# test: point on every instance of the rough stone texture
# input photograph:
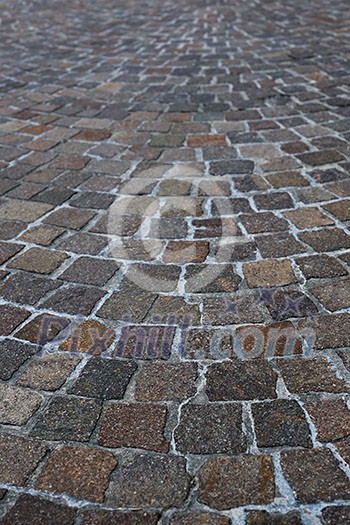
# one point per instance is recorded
(164, 481)
(311, 375)
(110, 517)
(48, 372)
(166, 382)
(12, 355)
(134, 426)
(280, 423)
(333, 296)
(229, 482)
(90, 337)
(87, 270)
(269, 273)
(103, 379)
(210, 429)
(19, 457)
(331, 419)
(80, 472)
(10, 318)
(241, 381)
(314, 475)
(17, 405)
(195, 518)
(38, 260)
(319, 266)
(332, 331)
(67, 418)
(31, 509)
(74, 300)
(174, 248)
(336, 515)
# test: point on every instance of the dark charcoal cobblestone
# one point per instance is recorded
(174, 262)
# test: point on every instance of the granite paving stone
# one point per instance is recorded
(134, 426)
(12, 356)
(280, 423)
(17, 405)
(79, 472)
(314, 475)
(48, 372)
(210, 429)
(103, 379)
(163, 477)
(67, 418)
(228, 482)
(18, 458)
(44, 512)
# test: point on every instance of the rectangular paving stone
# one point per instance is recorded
(280, 423)
(83, 243)
(319, 266)
(269, 273)
(19, 457)
(17, 405)
(21, 210)
(166, 382)
(10, 318)
(163, 478)
(8, 250)
(340, 209)
(26, 289)
(28, 509)
(42, 329)
(210, 429)
(43, 235)
(306, 218)
(331, 419)
(38, 260)
(88, 270)
(82, 473)
(131, 303)
(327, 331)
(48, 372)
(234, 309)
(263, 222)
(103, 379)
(13, 354)
(326, 240)
(229, 482)
(318, 158)
(71, 218)
(279, 245)
(134, 425)
(145, 342)
(334, 296)
(67, 418)
(10, 229)
(74, 300)
(241, 380)
(314, 475)
(311, 375)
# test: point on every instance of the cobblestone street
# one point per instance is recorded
(174, 262)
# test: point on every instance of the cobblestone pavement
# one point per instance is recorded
(174, 250)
